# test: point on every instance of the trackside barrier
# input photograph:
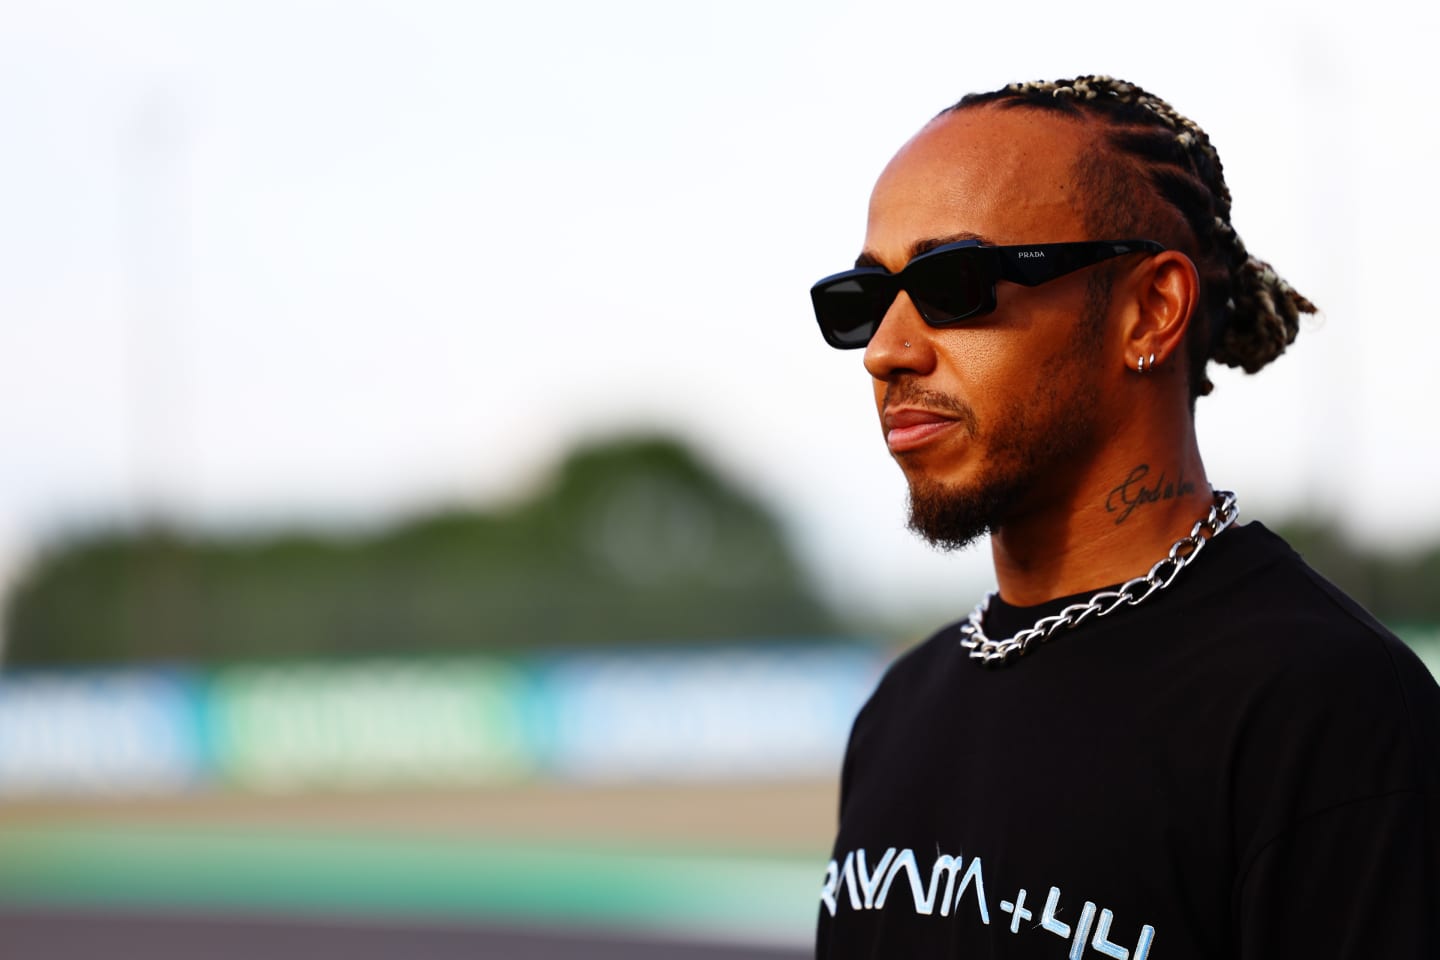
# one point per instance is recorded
(738, 712)
(733, 713)
(100, 732)
(369, 724)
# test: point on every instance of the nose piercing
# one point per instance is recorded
(907, 343)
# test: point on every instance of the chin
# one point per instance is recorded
(951, 516)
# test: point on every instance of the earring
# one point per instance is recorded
(1140, 364)
(907, 343)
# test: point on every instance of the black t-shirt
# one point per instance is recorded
(1246, 765)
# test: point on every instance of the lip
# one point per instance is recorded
(907, 428)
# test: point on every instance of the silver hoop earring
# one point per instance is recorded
(1152, 361)
(1140, 365)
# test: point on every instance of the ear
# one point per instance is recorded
(1166, 290)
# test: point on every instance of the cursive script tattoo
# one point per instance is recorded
(1131, 492)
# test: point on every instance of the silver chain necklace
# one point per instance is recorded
(993, 652)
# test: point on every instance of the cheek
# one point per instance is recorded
(1035, 334)
(986, 366)
(978, 354)
(1017, 382)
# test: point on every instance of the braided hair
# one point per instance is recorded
(1162, 178)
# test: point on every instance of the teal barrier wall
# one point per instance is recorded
(715, 713)
(101, 732)
(742, 712)
(370, 724)
(701, 715)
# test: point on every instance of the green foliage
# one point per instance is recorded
(636, 541)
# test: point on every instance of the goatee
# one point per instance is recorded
(952, 518)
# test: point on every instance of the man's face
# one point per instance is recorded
(987, 418)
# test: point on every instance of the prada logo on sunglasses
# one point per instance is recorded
(951, 284)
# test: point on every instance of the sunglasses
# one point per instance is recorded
(950, 283)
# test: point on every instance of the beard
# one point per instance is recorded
(952, 517)
(1028, 443)
(1026, 450)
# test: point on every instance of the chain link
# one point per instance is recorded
(1183, 552)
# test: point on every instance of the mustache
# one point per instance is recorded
(906, 393)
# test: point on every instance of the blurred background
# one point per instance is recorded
(430, 522)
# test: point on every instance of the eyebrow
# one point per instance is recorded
(868, 259)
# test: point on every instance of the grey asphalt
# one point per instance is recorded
(39, 933)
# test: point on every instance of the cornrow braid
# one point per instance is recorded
(1248, 315)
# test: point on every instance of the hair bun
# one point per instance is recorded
(1262, 317)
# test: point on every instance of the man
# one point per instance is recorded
(1164, 736)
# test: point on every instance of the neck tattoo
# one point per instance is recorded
(1223, 512)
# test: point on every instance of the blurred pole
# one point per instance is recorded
(1329, 175)
(154, 227)
(154, 233)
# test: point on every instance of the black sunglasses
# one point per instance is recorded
(950, 283)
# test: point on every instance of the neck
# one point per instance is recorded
(1113, 524)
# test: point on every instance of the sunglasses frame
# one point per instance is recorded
(1029, 264)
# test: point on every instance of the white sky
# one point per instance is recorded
(342, 261)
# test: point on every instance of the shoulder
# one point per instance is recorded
(1287, 620)
(1261, 594)
(907, 677)
(1335, 770)
(1326, 705)
(914, 697)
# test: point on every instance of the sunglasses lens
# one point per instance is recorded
(949, 286)
(946, 286)
(850, 308)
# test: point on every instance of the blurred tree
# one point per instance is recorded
(635, 541)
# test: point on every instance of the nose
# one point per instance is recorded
(902, 342)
